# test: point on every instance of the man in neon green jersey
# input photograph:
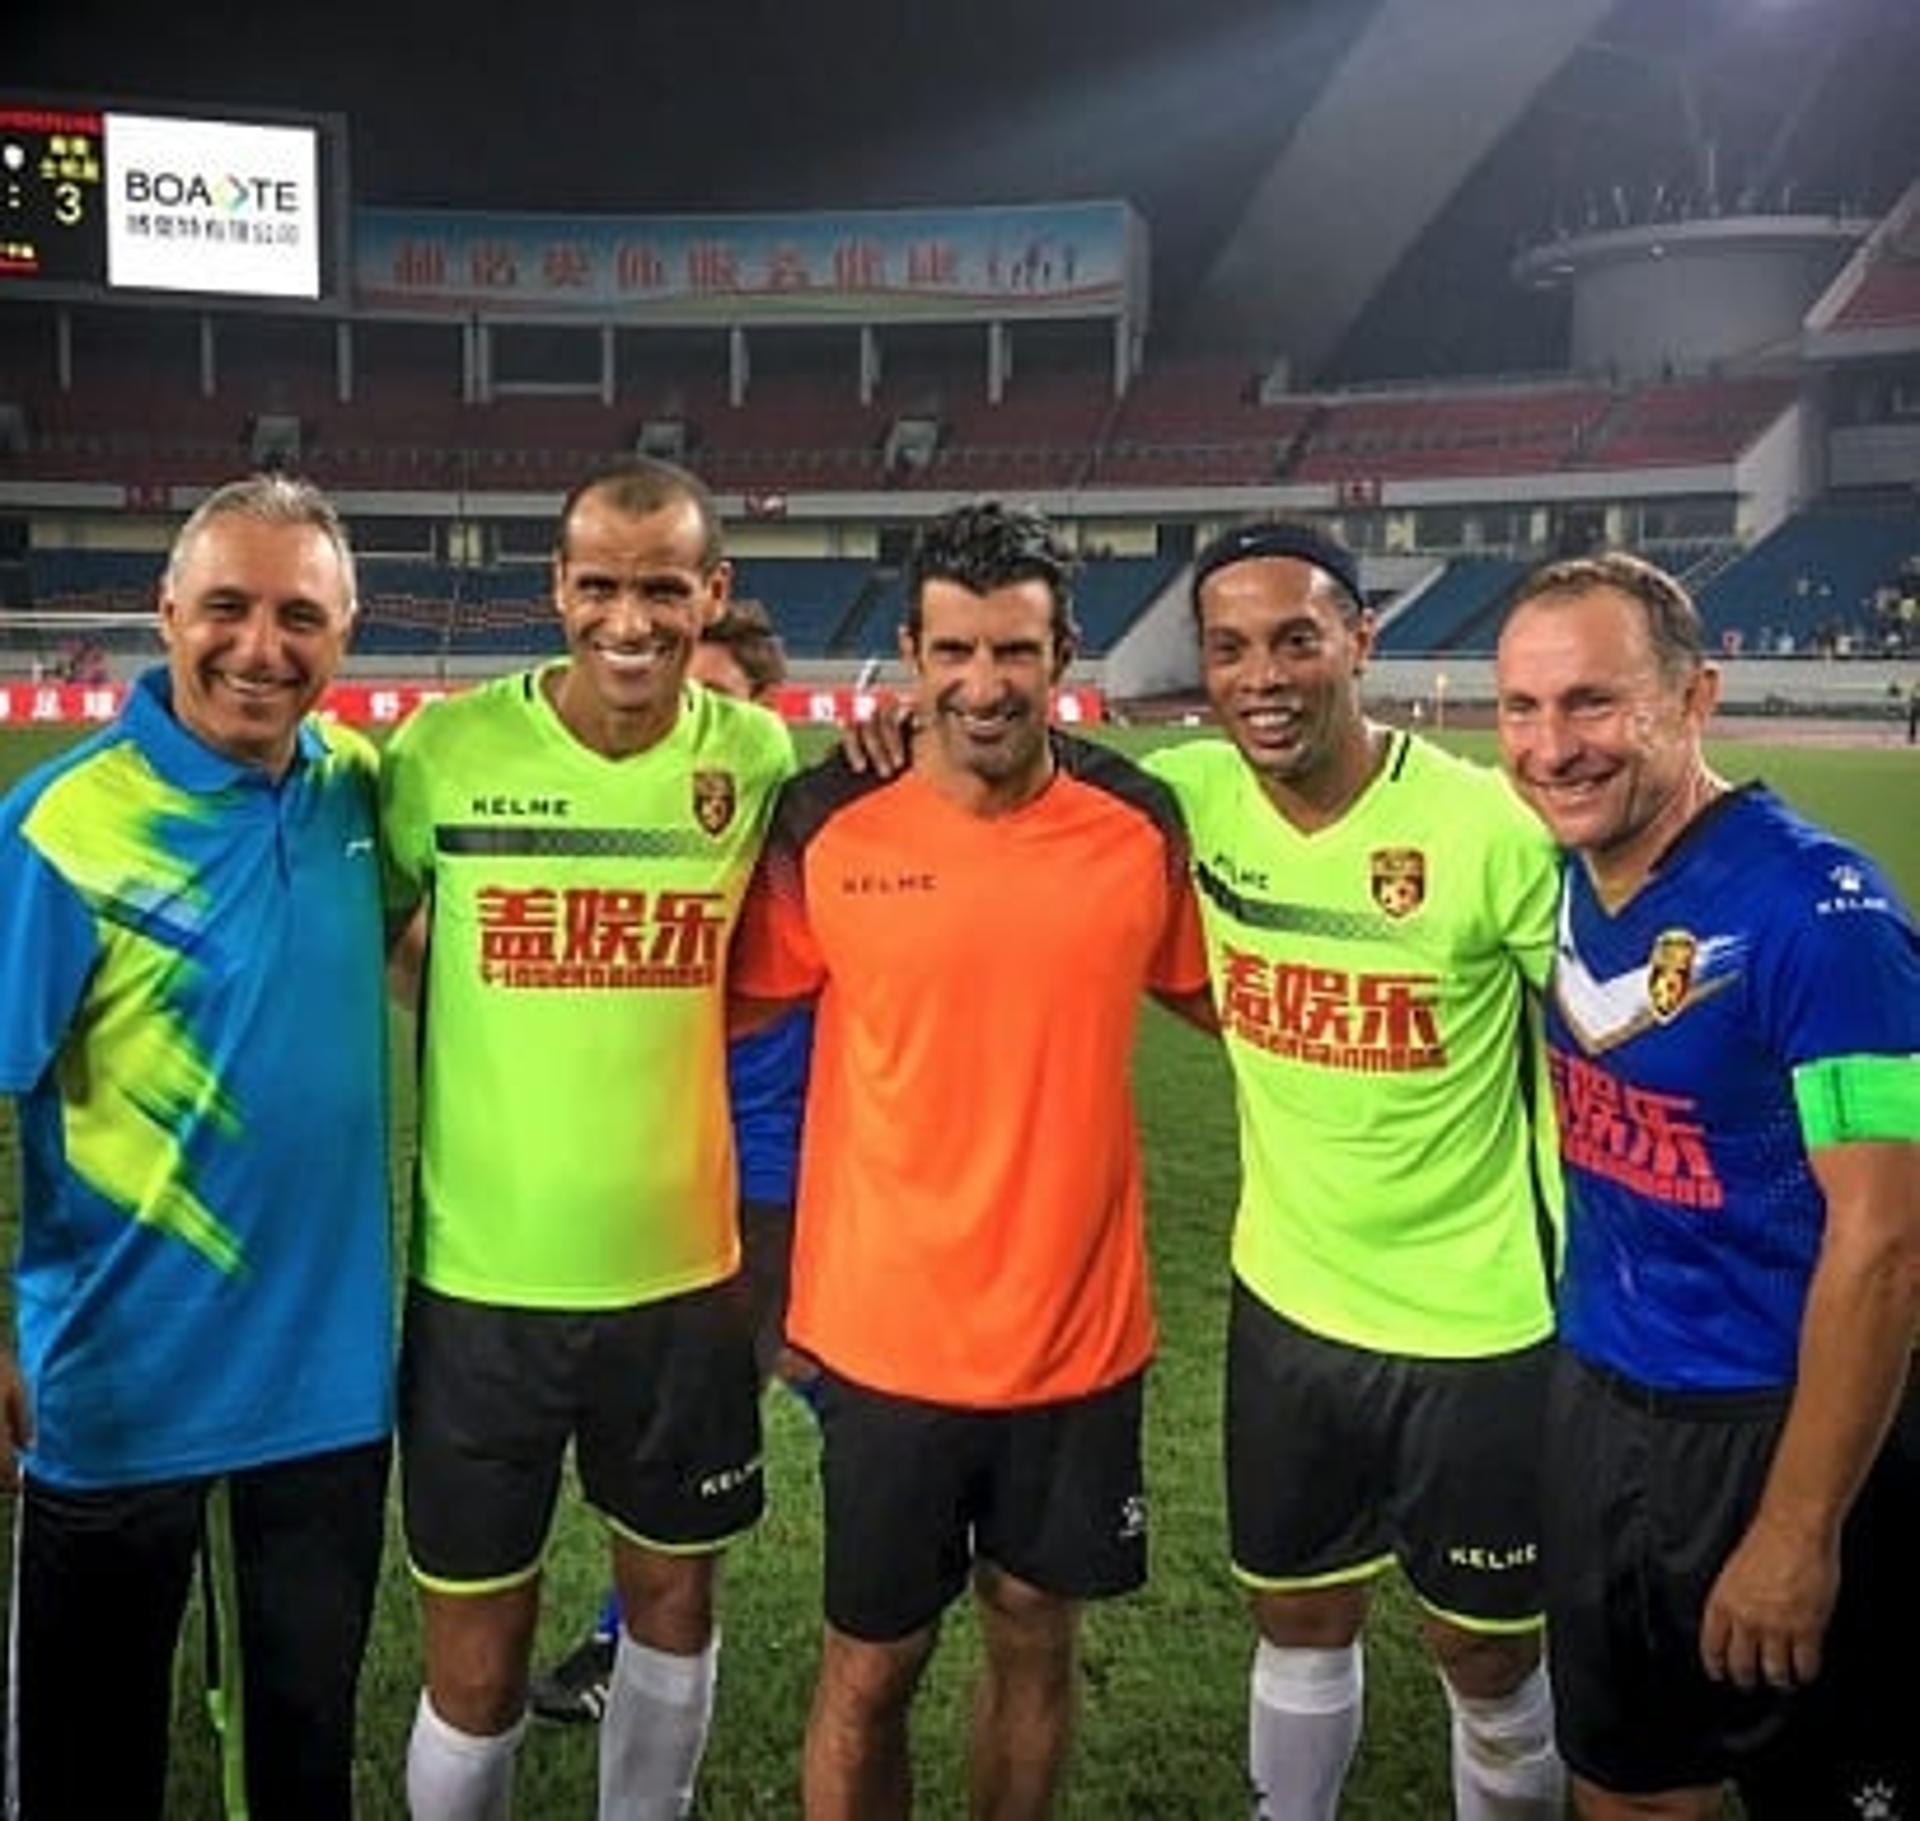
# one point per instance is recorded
(1377, 916)
(579, 837)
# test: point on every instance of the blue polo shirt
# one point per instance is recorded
(192, 1020)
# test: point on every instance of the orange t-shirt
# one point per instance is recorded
(970, 1215)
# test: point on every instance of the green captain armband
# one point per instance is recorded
(1858, 1099)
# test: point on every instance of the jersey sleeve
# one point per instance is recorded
(1837, 971)
(45, 962)
(775, 955)
(1180, 963)
(1523, 886)
(406, 823)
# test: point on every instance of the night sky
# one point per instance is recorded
(727, 104)
(1176, 105)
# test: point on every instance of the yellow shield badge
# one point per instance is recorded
(714, 800)
(1399, 879)
(1670, 973)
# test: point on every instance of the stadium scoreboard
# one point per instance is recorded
(98, 201)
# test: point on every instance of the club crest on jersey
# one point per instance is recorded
(1399, 879)
(714, 800)
(1670, 973)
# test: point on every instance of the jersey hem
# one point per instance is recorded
(947, 1400)
(1488, 1346)
(580, 1302)
(207, 1466)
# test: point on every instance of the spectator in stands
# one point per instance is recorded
(577, 839)
(740, 656)
(969, 1267)
(192, 1019)
(85, 663)
(1733, 1455)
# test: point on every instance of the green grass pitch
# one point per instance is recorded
(1164, 1673)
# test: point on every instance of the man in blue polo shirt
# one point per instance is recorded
(191, 1022)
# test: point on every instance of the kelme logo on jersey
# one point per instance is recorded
(714, 800)
(1670, 973)
(1399, 879)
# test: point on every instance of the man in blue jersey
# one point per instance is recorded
(739, 655)
(1734, 1455)
(192, 1023)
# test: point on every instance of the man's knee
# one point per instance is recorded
(1315, 1618)
(1024, 1627)
(477, 1650)
(1008, 1601)
(864, 1683)
(1483, 1666)
(666, 1600)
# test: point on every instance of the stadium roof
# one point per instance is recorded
(1425, 137)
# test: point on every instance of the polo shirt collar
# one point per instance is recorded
(184, 759)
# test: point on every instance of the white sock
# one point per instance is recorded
(1303, 1722)
(459, 1776)
(1504, 1765)
(654, 1730)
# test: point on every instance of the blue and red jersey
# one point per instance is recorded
(1760, 946)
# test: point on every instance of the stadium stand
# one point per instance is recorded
(1459, 610)
(1184, 424)
(1888, 293)
(1195, 423)
(1499, 431)
(1813, 580)
(1688, 421)
(868, 629)
(1113, 592)
(1886, 289)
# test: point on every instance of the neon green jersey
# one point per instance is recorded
(1372, 983)
(575, 1145)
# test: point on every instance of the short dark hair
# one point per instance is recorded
(639, 484)
(1283, 534)
(745, 629)
(1673, 622)
(989, 545)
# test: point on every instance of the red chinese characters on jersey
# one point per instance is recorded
(1373, 1024)
(597, 938)
(1633, 1136)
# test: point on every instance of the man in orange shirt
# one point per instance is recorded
(969, 1265)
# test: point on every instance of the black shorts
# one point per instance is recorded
(918, 1492)
(1648, 1494)
(291, 1553)
(1341, 1460)
(661, 1402)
